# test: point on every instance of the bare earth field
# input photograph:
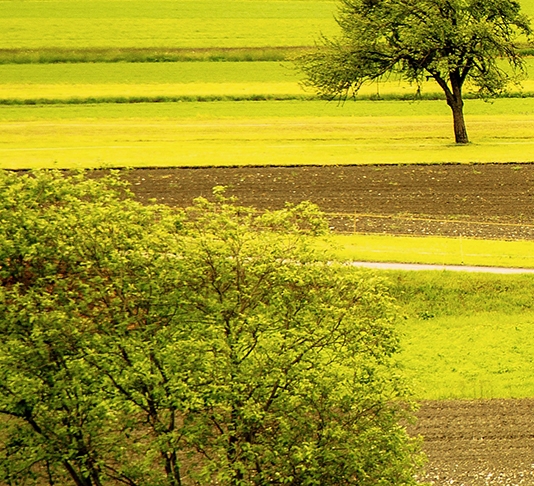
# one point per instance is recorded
(479, 442)
(486, 201)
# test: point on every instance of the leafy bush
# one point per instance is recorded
(142, 345)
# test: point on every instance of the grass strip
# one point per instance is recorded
(153, 99)
(91, 100)
(53, 55)
(433, 250)
(148, 54)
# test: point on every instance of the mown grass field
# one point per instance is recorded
(260, 133)
(464, 335)
(163, 23)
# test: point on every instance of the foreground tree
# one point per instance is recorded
(144, 346)
(453, 42)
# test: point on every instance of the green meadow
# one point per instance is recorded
(215, 133)
(466, 335)
(65, 102)
(163, 23)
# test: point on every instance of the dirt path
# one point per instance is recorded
(471, 443)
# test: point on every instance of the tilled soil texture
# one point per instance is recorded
(471, 443)
(486, 201)
(478, 442)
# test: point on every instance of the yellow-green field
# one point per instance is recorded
(168, 23)
(433, 250)
(64, 81)
(260, 133)
(180, 131)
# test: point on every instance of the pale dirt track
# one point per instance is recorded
(471, 443)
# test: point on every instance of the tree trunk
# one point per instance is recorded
(455, 101)
(460, 131)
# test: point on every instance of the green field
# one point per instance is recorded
(466, 335)
(260, 133)
(163, 23)
(85, 80)
(167, 23)
(433, 250)
(186, 126)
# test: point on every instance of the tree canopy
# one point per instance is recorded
(454, 42)
(146, 346)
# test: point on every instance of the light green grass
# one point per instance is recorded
(466, 335)
(93, 80)
(167, 23)
(163, 23)
(261, 133)
(486, 355)
(434, 250)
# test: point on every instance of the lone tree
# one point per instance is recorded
(453, 42)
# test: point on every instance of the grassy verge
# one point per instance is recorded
(219, 92)
(50, 55)
(466, 335)
(433, 250)
(56, 55)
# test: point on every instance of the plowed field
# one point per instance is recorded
(487, 201)
(482, 442)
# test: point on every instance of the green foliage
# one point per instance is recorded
(143, 346)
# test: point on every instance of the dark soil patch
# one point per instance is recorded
(480, 442)
(486, 201)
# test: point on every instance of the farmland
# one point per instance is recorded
(213, 113)
(126, 83)
(464, 336)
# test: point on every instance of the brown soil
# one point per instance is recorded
(481, 442)
(478, 442)
(487, 201)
